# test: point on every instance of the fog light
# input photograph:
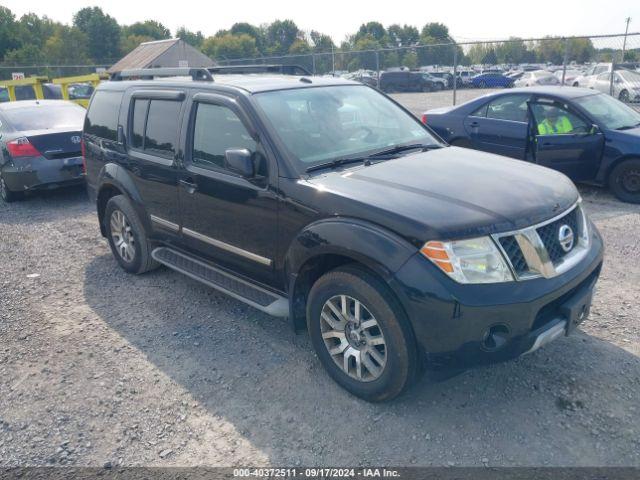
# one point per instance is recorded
(495, 338)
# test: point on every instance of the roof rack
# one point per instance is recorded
(273, 68)
(196, 74)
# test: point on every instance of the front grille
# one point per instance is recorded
(512, 249)
(543, 238)
(549, 235)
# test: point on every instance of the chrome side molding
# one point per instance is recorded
(229, 248)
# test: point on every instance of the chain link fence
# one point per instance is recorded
(606, 63)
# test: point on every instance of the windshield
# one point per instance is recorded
(326, 123)
(608, 111)
(46, 117)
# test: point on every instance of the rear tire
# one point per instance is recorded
(127, 236)
(624, 181)
(384, 373)
(9, 195)
(624, 96)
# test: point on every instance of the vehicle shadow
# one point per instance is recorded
(46, 206)
(559, 406)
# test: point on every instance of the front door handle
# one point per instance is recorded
(188, 185)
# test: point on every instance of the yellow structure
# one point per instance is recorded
(94, 79)
(65, 82)
(35, 82)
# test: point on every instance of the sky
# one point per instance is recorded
(467, 20)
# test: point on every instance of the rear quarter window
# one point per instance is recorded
(102, 116)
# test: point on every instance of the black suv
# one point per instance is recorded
(324, 201)
(406, 81)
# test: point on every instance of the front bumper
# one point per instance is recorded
(455, 324)
(41, 173)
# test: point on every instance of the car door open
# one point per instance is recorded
(562, 139)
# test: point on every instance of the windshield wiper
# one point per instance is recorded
(333, 163)
(382, 153)
(629, 127)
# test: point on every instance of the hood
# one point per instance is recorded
(448, 193)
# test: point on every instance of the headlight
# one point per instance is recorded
(476, 260)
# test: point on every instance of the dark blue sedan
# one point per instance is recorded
(491, 80)
(589, 136)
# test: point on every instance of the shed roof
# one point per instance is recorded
(143, 54)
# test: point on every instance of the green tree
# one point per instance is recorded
(280, 35)
(229, 46)
(8, 30)
(57, 47)
(129, 43)
(25, 55)
(35, 30)
(410, 60)
(102, 34)
(256, 32)
(374, 30)
(403, 36)
(148, 28)
(300, 47)
(194, 39)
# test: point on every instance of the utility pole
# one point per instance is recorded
(333, 60)
(624, 43)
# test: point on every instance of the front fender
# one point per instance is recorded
(376, 247)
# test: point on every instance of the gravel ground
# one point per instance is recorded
(98, 367)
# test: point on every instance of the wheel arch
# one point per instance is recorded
(114, 180)
(329, 244)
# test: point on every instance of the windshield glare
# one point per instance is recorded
(609, 112)
(47, 117)
(325, 123)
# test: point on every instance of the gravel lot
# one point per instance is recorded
(98, 367)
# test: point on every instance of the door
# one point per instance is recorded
(564, 140)
(153, 123)
(226, 217)
(501, 126)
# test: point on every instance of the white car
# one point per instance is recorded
(626, 85)
(589, 78)
(537, 78)
(570, 76)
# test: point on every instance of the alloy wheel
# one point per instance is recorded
(631, 181)
(122, 236)
(353, 338)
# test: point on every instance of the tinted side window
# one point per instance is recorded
(217, 129)
(102, 116)
(162, 127)
(138, 121)
(509, 107)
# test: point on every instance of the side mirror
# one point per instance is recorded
(594, 129)
(239, 160)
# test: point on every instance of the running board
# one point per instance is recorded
(235, 287)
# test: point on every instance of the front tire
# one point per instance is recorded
(624, 181)
(361, 334)
(127, 236)
(624, 96)
(8, 195)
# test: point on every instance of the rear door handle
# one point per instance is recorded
(188, 185)
(474, 124)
